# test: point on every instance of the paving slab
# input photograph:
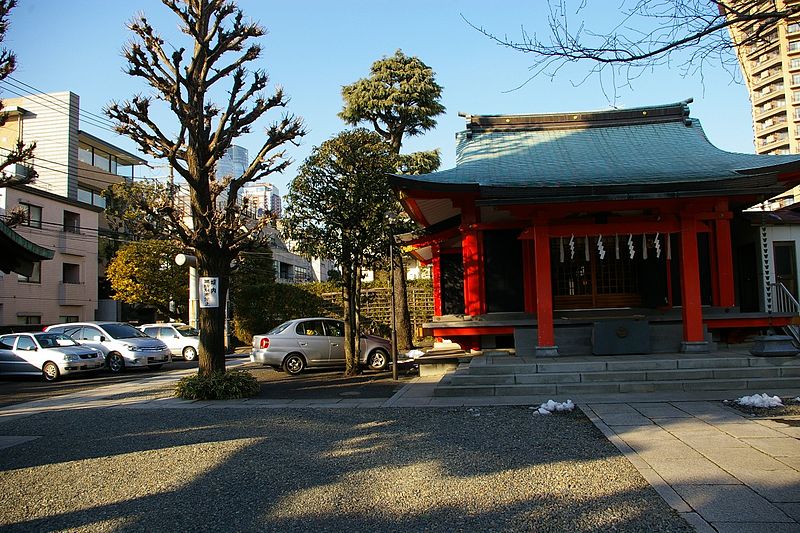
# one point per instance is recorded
(755, 527)
(737, 460)
(748, 428)
(626, 419)
(775, 485)
(690, 471)
(791, 509)
(731, 503)
(775, 446)
(660, 410)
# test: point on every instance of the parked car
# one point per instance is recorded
(314, 342)
(181, 339)
(122, 344)
(46, 354)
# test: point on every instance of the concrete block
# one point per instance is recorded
(733, 373)
(714, 362)
(613, 377)
(690, 386)
(673, 375)
(730, 503)
(656, 364)
(580, 366)
(466, 390)
(587, 388)
(524, 390)
(532, 379)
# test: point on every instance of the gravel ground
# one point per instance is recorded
(459, 469)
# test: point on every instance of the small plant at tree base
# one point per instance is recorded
(229, 385)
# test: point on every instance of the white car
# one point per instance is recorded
(181, 339)
(123, 345)
(47, 354)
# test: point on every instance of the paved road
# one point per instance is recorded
(312, 384)
(17, 389)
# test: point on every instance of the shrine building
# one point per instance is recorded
(602, 232)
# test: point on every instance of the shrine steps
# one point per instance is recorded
(508, 375)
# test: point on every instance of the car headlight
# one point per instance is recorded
(132, 347)
(70, 358)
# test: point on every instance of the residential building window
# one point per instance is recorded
(794, 27)
(72, 222)
(28, 320)
(71, 273)
(91, 197)
(780, 103)
(794, 63)
(97, 158)
(68, 318)
(85, 154)
(33, 215)
(794, 46)
(36, 275)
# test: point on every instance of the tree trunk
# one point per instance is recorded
(350, 322)
(402, 317)
(212, 319)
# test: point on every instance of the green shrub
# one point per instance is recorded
(228, 385)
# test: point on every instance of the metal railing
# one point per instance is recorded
(785, 302)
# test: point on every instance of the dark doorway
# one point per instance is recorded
(785, 265)
(452, 272)
(747, 261)
(502, 251)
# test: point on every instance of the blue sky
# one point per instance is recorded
(312, 48)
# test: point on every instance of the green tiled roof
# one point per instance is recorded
(17, 252)
(646, 147)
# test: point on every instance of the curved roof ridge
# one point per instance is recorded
(678, 111)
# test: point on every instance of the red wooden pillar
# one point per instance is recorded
(436, 274)
(529, 275)
(546, 345)
(693, 338)
(712, 253)
(472, 254)
(722, 235)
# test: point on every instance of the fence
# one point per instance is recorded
(376, 307)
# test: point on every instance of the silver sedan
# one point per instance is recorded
(314, 342)
(48, 354)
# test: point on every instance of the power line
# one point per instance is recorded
(63, 106)
(15, 90)
(39, 91)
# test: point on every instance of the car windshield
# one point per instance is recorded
(278, 329)
(187, 331)
(54, 340)
(122, 331)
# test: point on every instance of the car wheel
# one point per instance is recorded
(378, 360)
(294, 364)
(50, 371)
(116, 363)
(189, 353)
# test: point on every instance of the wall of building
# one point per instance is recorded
(51, 120)
(61, 292)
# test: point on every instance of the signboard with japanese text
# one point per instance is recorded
(208, 289)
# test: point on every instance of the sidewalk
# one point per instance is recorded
(721, 470)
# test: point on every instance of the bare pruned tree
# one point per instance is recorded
(215, 225)
(647, 33)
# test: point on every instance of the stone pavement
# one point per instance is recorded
(720, 469)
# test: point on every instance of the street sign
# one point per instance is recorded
(209, 292)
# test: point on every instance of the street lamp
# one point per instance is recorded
(391, 217)
(391, 311)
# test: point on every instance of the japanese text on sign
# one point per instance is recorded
(209, 292)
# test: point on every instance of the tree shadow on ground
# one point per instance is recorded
(487, 469)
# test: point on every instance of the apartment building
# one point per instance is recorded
(63, 288)
(64, 210)
(771, 68)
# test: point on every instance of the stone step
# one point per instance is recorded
(559, 389)
(467, 378)
(517, 366)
